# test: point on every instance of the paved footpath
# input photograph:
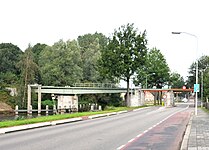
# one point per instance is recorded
(167, 135)
(199, 133)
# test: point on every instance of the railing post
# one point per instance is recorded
(100, 107)
(47, 109)
(65, 109)
(30, 110)
(92, 107)
(16, 110)
(54, 109)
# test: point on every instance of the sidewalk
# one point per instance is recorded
(199, 132)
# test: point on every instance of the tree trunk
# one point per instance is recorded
(154, 101)
(25, 83)
(160, 97)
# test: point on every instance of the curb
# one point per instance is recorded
(24, 127)
(184, 145)
(57, 122)
(37, 125)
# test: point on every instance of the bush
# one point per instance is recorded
(50, 103)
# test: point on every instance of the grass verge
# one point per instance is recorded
(205, 110)
(11, 123)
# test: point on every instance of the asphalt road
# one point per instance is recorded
(97, 134)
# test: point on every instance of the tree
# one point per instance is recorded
(60, 64)
(37, 49)
(205, 84)
(203, 66)
(28, 69)
(155, 72)
(124, 54)
(9, 73)
(91, 46)
(155, 69)
(176, 80)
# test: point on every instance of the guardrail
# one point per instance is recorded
(99, 85)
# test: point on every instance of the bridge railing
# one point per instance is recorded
(96, 85)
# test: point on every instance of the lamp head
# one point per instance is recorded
(176, 32)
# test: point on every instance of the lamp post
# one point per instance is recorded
(147, 76)
(196, 65)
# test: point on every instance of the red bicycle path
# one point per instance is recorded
(167, 135)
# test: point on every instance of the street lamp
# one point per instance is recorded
(196, 65)
(147, 76)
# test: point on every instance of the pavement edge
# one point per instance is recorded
(57, 122)
(184, 144)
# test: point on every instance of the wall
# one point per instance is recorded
(66, 102)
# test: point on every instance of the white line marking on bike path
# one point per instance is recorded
(138, 136)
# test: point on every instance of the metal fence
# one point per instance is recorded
(96, 85)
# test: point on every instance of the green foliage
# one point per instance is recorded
(88, 98)
(7, 98)
(28, 66)
(10, 55)
(101, 99)
(110, 100)
(37, 49)
(203, 67)
(60, 64)
(20, 118)
(4, 95)
(28, 70)
(124, 54)
(156, 70)
(8, 78)
(205, 84)
(176, 80)
(91, 46)
(50, 103)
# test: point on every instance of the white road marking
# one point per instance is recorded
(139, 135)
(131, 140)
(120, 147)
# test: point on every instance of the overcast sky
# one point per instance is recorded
(47, 21)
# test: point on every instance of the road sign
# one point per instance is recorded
(196, 88)
(164, 96)
(184, 87)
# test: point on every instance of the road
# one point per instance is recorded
(97, 134)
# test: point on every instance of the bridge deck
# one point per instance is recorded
(97, 90)
(79, 90)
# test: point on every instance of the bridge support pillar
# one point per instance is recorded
(39, 99)
(29, 99)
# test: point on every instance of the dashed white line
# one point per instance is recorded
(139, 135)
(150, 128)
(131, 140)
(145, 131)
(122, 146)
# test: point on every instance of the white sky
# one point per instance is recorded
(47, 21)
